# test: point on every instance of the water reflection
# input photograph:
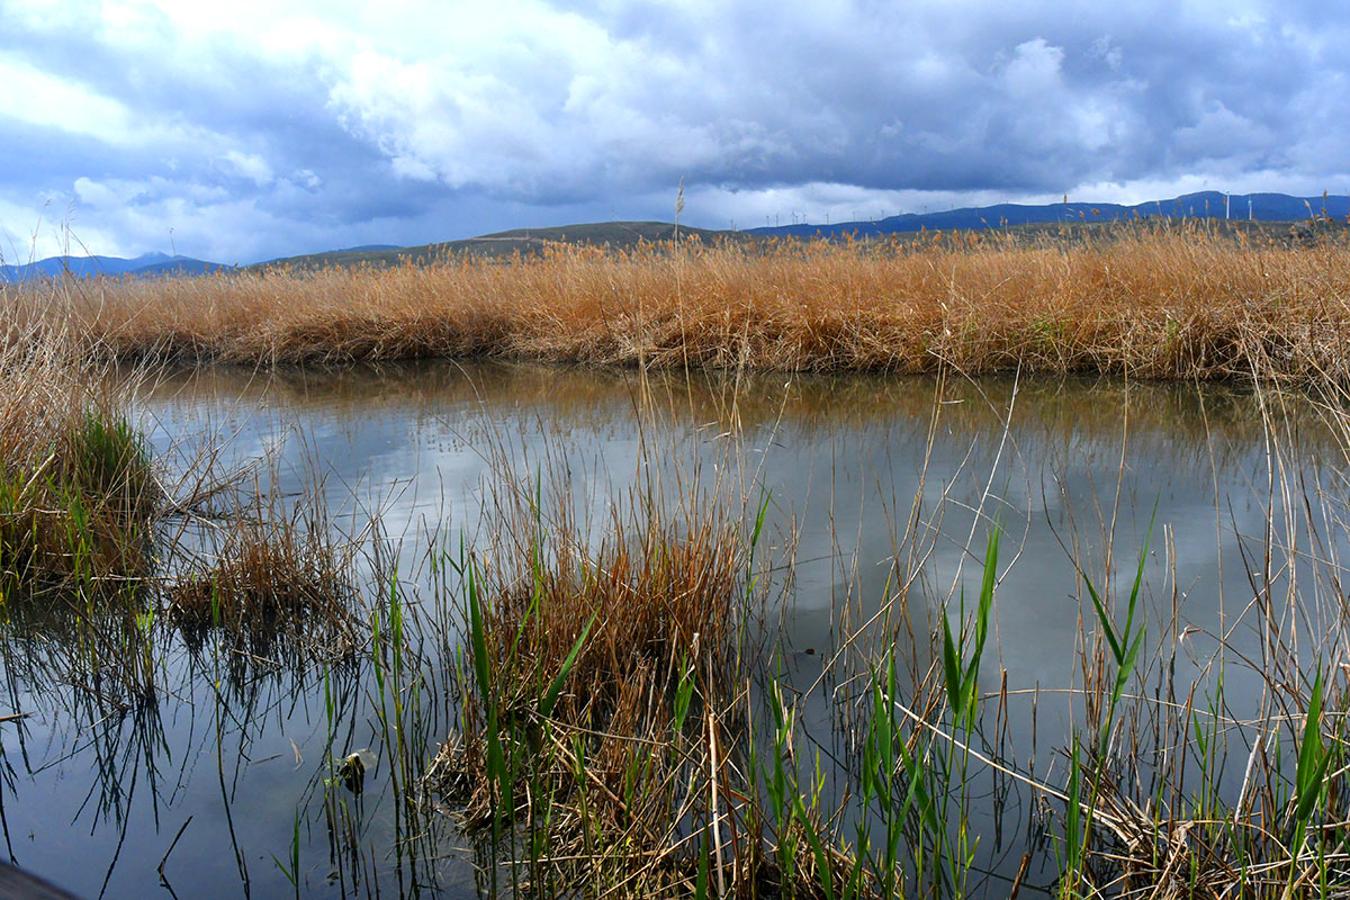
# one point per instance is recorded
(841, 457)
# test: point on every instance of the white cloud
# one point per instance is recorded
(1034, 70)
(35, 97)
(342, 122)
(250, 166)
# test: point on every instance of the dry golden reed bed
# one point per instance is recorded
(1150, 302)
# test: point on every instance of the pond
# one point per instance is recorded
(218, 787)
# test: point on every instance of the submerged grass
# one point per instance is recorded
(94, 547)
(1152, 301)
(620, 736)
(613, 738)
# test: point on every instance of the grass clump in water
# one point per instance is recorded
(78, 492)
(275, 586)
(603, 699)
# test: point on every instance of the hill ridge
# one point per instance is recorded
(1266, 207)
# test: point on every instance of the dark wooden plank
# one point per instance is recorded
(16, 884)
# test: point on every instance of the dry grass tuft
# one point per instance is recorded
(277, 588)
(653, 596)
(602, 691)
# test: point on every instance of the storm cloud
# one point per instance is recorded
(247, 130)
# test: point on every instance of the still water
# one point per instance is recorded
(220, 783)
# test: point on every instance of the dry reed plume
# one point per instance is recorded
(1151, 302)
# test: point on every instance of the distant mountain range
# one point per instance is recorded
(1204, 205)
(1207, 204)
(144, 266)
(502, 243)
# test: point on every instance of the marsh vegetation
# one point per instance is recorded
(788, 604)
(1141, 300)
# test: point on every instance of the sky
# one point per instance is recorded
(249, 130)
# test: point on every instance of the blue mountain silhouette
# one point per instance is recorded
(1206, 204)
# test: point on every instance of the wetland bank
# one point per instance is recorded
(949, 570)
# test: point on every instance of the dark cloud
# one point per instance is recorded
(268, 129)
